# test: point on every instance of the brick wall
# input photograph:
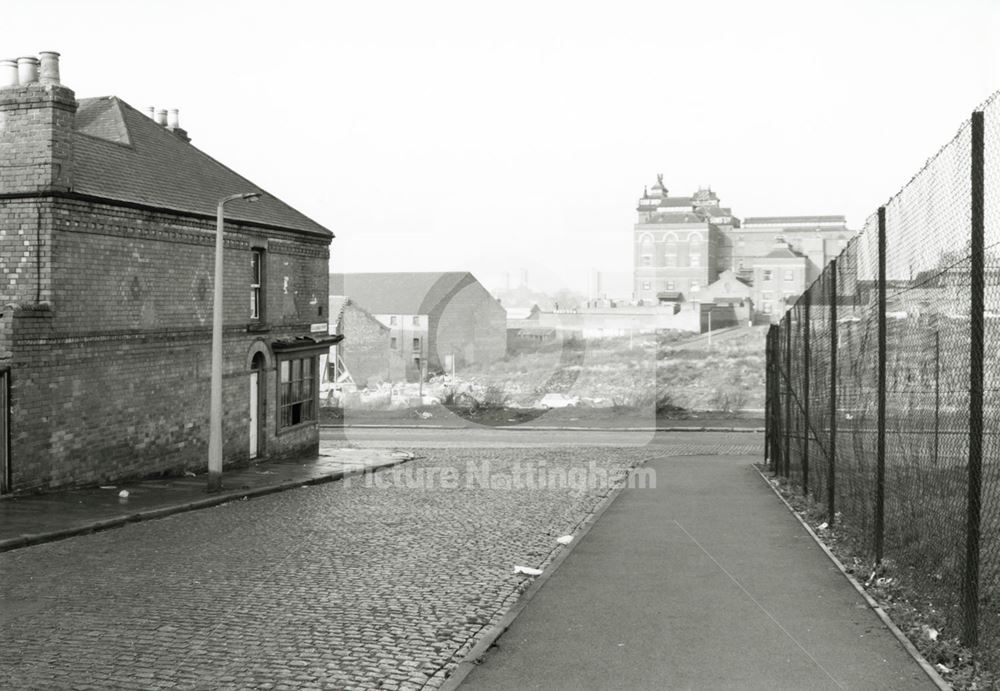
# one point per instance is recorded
(25, 246)
(36, 138)
(110, 376)
(365, 348)
(472, 325)
(122, 268)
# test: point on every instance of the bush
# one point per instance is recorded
(729, 399)
(494, 398)
(665, 404)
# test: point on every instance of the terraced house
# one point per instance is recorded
(107, 232)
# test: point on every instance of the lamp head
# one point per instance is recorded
(252, 196)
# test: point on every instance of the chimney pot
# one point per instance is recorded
(50, 66)
(27, 70)
(151, 112)
(173, 118)
(161, 116)
(8, 73)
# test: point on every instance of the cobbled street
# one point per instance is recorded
(377, 582)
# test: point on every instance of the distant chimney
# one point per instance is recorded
(8, 73)
(27, 70)
(50, 66)
(161, 116)
(151, 112)
(174, 125)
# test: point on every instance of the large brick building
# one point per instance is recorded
(681, 245)
(107, 227)
(443, 319)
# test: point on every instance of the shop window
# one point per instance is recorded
(297, 392)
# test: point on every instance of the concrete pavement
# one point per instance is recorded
(705, 582)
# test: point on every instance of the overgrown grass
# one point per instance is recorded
(915, 589)
(668, 371)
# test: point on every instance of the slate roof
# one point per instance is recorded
(783, 253)
(123, 155)
(793, 220)
(400, 293)
(677, 201)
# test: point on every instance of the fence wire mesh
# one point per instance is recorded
(826, 400)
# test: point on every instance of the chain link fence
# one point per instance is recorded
(884, 385)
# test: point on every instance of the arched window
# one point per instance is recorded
(670, 249)
(694, 238)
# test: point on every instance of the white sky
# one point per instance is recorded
(490, 136)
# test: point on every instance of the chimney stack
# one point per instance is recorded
(173, 118)
(27, 70)
(50, 66)
(8, 73)
(151, 112)
(161, 116)
(37, 139)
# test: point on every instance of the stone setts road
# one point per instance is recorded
(384, 581)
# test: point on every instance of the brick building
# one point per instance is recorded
(683, 244)
(365, 353)
(107, 231)
(438, 318)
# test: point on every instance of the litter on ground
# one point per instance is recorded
(527, 571)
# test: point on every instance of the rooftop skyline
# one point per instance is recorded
(449, 136)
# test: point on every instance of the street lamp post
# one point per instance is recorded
(215, 403)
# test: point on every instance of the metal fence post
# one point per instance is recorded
(937, 393)
(880, 434)
(787, 457)
(806, 355)
(768, 384)
(832, 461)
(775, 402)
(970, 599)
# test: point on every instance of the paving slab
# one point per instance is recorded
(704, 582)
(32, 519)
